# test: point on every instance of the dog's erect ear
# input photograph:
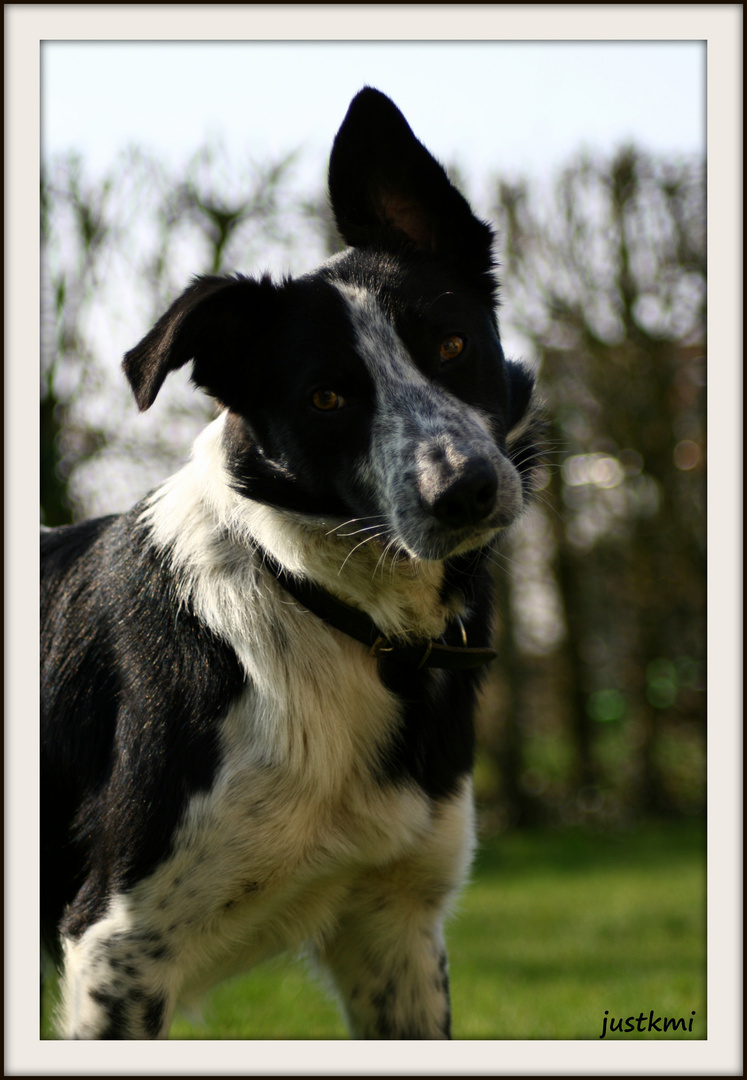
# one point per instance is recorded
(216, 323)
(384, 183)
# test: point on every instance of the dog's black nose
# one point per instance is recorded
(469, 498)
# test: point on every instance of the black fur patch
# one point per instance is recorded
(435, 744)
(132, 685)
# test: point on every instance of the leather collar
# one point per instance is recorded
(356, 624)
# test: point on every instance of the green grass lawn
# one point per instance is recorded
(554, 929)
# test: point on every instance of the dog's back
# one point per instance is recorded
(258, 685)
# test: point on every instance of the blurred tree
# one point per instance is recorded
(115, 253)
(63, 297)
(607, 282)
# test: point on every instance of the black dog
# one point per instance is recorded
(258, 685)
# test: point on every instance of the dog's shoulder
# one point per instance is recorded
(133, 686)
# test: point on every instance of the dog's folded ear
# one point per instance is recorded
(215, 323)
(384, 185)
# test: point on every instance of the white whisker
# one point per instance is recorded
(382, 558)
(353, 550)
(351, 521)
(493, 556)
(550, 506)
(366, 528)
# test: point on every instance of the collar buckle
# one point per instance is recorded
(381, 645)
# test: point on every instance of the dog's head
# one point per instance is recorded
(375, 387)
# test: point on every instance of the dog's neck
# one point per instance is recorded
(207, 527)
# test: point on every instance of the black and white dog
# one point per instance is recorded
(258, 685)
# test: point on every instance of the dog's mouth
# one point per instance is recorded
(430, 542)
(451, 513)
(378, 540)
(434, 545)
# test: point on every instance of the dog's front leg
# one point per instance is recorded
(387, 955)
(116, 985)
(392, 976)
(388, 963)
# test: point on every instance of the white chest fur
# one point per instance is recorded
(298, 810)
(264, 860)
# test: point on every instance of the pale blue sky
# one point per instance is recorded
(495, 106)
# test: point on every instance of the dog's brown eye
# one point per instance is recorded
(327, 400)
(451, 347)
